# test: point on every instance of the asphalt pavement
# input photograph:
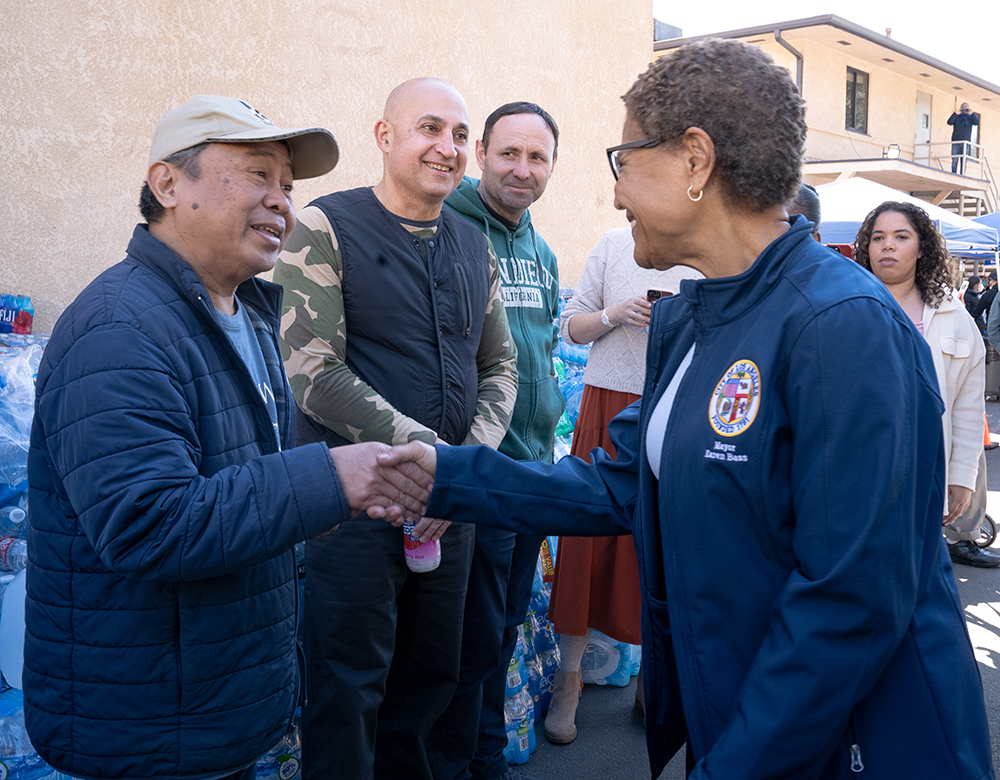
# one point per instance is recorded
(611, 742)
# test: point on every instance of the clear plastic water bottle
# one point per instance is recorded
(536, 679)
(527, 727)
(550, 664)
(13, 475)
(515, 716)
(517, 674)
(420, 556)
(5, 579)
(12, 521)
(13, 553)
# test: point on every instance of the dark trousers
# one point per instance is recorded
(382, 650)
(469, 736)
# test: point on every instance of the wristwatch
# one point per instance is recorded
(604, 318)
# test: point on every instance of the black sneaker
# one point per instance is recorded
(971, 555)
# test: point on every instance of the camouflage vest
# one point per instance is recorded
(414, 310)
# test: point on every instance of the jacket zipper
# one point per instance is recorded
(424, 247)
(857, 765)
(465, 302)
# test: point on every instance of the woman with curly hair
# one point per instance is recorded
(900, 245)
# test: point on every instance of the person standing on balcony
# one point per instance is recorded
(962, 123)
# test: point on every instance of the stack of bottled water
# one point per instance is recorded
(18, 369)
(607, 661)
(530, 674)
(545, 661)
(518, 711)
(569, 361)
(19, 359)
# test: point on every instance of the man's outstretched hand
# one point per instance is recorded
(383, 484)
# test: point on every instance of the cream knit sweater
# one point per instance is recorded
(618, 358)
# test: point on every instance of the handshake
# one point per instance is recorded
(390, 483)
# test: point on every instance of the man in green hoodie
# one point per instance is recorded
(516, 155)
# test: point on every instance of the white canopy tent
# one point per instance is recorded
(846, 203)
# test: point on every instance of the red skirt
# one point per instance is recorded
(597, 578)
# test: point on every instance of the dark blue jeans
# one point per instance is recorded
(957, 160)
(382, 650)
(469, 737)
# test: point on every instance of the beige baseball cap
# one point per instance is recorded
(209, 118)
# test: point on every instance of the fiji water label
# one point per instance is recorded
(16, 314)
(4, 772)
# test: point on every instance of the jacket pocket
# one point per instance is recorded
(663, 704)
(956, 348)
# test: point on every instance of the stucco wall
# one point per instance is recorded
(84, 83)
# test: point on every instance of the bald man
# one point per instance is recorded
(393, 329)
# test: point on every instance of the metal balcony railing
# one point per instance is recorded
(938, 155)
(973, 164)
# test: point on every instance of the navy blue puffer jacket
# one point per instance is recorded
(161, 602)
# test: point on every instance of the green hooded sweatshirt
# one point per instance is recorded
(529, 277)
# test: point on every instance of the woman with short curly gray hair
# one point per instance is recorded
(782, 474)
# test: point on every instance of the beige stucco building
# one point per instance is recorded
(84, 83)
(878, 109)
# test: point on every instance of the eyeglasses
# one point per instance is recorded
(614, 151)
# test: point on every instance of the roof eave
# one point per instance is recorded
(840, 24)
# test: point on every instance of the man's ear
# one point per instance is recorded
(383, 135)
(162, 180)
(481, 156)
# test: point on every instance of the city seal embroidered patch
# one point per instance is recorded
(736, 399)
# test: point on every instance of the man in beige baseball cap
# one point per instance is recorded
(213, 119)
(167, 493)
(228, 227)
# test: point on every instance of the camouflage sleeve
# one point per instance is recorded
(314, 342)
(496, 359)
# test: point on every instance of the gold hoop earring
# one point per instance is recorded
(693, 199)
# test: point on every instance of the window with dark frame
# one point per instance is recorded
(857, 101)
